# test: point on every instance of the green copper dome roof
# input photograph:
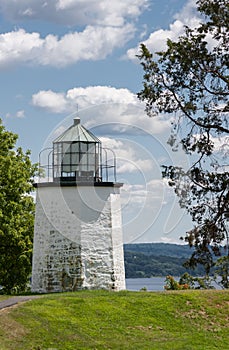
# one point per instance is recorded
(76, 133)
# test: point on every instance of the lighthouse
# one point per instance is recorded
(78, 227)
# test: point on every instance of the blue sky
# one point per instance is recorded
(60, 56)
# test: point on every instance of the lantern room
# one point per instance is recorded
(77, 155)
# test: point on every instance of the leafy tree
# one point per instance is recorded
(188, 82)
(172, 284)
(196, 282)
(222, 270)
(16, 214)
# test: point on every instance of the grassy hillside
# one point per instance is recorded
(187, 320)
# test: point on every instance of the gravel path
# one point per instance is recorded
(15, 300)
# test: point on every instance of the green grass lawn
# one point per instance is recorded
(186, 320)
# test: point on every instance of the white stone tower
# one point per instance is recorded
(78, 228)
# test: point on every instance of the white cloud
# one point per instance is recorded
(134, 165)
(18, 114)
(74, 12)
(81, 98)
(94, 95)
(118, 109)
(131, 156)
(143, 207)
(157, 40)
(151, 212)
(106, 26)
(104, 12)
(188, 14)
(156, 193)
(53, 101)
(93, 43)
(221, 145)
(18, 46)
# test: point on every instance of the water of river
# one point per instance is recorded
(152, 284)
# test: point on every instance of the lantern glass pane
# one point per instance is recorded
(75, 167)
(75, 147)
(83, 159)
(66, 168)
(75, 158)
(84, 167)
(83, 146)
(91, 147)
(66, 148)
(66, 158)
(91, 158)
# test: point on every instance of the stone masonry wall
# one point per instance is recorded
(77, 239)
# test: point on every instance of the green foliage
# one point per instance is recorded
(143, 289)
(196, 282)
(183, 320)
(187, 281)
(16, 214)
(189, 81)
(172, 284)
(222, 270)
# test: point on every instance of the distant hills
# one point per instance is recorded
(157, 259)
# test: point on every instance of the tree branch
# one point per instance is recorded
(198, 123)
